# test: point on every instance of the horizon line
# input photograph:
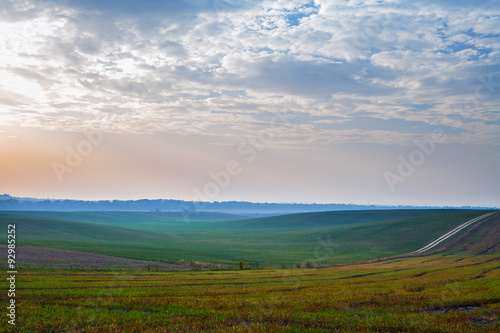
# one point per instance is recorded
(254, 202)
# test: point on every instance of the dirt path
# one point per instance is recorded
(452, 232)
(36, 257)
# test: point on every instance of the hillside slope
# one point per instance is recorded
(318, 219)
(342, 239)
(482, 238)
(123, 219)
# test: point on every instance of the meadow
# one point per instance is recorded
(321, 238)
(290, 273)
(439, 293)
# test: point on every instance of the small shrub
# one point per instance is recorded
(241, 263)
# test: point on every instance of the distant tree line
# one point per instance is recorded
(8, 202)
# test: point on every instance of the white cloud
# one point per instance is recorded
(70, 67)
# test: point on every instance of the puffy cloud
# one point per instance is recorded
(216, 67)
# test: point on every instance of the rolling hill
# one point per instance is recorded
(319, 219)
(481, 239)
(331, 237)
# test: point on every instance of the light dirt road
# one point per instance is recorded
(451, 233)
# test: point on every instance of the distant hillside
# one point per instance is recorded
(482, 238)
(318, 219)
(321, 238)
(190, 208)
(122, 218)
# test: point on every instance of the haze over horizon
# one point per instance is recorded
(380, 102)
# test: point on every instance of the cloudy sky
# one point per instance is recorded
(384, 102)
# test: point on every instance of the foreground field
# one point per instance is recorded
(432, 294)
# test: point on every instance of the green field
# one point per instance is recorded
(283, 241)
(425, 294)
(456, 290)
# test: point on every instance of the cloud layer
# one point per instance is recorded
(345, 71)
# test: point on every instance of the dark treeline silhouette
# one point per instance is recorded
(8, 202)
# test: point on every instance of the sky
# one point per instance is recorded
(380, 102)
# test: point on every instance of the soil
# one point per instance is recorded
(36, 257)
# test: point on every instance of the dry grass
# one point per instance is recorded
(433, 294)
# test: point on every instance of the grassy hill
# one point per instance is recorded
(482, 238)
(330, 237)
(318, 219)
(124, 218)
